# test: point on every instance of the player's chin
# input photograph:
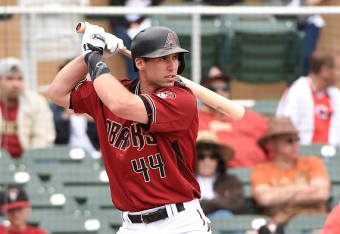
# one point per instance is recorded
(169, 82)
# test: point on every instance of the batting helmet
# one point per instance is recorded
(154, 42)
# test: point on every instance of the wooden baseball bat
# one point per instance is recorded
(205, 95)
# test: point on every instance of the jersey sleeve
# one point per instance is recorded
(170, 109)
(84, 98)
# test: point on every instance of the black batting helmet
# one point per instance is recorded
(154, 42)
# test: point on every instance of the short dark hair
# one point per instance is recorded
(320, 59)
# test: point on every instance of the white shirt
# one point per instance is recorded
(207, 187)
(79, 137)
(297, 103)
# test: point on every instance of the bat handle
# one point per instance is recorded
(81, 29)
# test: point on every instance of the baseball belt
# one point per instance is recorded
(154, 216)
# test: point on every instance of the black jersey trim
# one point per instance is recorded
(183, 168)
(148, 112)
(153, 106)
(70, 105)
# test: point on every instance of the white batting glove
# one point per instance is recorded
(113, 45)
(93, 39)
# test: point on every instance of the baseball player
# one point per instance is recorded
(147, 128)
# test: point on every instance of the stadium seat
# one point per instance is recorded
(212, 38)
(335, 196)
(60, 223)
(110, 220)
(12, 171)
(265, 107)
(243, 173)
(262, 51)
(69, 174)
(237, 223)
(63, 164)
(244, 176)
(314, 149)
(48, 196)
(305, 223)
(330, 156)
(57, 154)
(89, 197)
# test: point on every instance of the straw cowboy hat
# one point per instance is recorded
(278, 126)
(208, 137)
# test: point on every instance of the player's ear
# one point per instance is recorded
(140, 63)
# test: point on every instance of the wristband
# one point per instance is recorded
(95, 64)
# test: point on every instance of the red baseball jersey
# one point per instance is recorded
(148, 165)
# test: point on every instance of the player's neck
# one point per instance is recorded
(146, 87)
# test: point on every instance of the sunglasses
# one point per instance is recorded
(201, 156)
(291, 140)
(219, 87)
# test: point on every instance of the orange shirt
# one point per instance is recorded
(306, 169)
(322, 117)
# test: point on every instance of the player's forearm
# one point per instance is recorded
(111, 91)
(66, 80)
(120, 100)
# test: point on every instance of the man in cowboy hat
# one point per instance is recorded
(222, 194)
(289, 184)
(16, 208)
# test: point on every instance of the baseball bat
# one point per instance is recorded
(205, 95)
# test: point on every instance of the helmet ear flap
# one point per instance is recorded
(134, 64)
(181, 63)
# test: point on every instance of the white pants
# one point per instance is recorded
(189, 221)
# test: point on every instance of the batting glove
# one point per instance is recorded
(113, 45)
(93, 39)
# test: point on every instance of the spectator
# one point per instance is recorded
(126, 27)
(26, 120)
(16, 208)
(75, 130)
(310, 25)
(241, 135)
(221, 194)
(288, 185)
(313, 102)
(332, 224)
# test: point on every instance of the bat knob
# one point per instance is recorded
(78, 27)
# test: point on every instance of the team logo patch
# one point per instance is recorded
(170, 41)
(167, 94)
